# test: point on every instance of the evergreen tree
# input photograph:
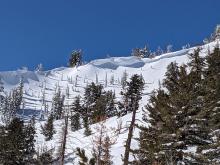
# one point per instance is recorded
(58, 104)
(110, 108)
(48, 128)
(124, 79)
(87, 131)
(39, 68)
(196, 65)
(2, 97)
(140, 52)
(91, 96)
(1, 90)
(76, 112)
(106, 157)
(45, 158)
(29, 142)
(212, 106)
(75, 58)
(183, 106)
(84, 160)
(169, 48)
(12, 149)
(149, 139)
(172, 76)
(75, 122)
(133, 93)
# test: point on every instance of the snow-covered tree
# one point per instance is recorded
(2, 95)
(124, 79)
(48, 129)
(58, 104)
(140, 52)
(39, 68)
(75, 58)
(169, 48)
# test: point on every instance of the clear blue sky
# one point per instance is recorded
(45, 31)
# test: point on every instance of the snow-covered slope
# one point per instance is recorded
(37, 84)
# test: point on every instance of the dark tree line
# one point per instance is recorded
(184, 115)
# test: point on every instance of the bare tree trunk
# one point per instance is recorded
(63, 147)
(130, 134)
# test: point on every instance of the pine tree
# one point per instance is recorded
(75, 58)
(75, 122)
(133, 93)
(182, 106)
(140, 52)
(29, 148)
(149, 139)
(39, 68)
(110, 107)
(84, 160)
(91, 96)
(48, 128)
(172, 76)
(124, 79)
(2, 97)
(106, 157)
(212, 106)
(12, 151)
(159, 51)
(196, 65)
(58, 104)
(87, 131)
(76, 112)
(112, 80)
(45, 158)
(169, 48)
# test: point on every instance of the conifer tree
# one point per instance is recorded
(84, 160)
(133, 93)
(164, 141)
(212, 106)
(29, 142)
(172, 76)
(48, 128)
(75, 122)
(45, 158)
(2, 97)
(58, 104)
(91, 96)
(124, 79)
(149, 139)
(110, 108)
(76, 112)
(12, 151)
(87, 130)
(107, 158)
(75, 58)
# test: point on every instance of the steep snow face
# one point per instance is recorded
(74, 80)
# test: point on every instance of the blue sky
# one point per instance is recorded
(46, 31)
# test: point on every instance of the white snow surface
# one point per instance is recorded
(35, 83)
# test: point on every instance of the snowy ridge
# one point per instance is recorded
(76, 79)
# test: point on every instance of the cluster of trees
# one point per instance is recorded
(96, 106)
(147, 53)
(17, 144)
(184, 118)
(10, 103)
(215, 35)
(184, 115)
